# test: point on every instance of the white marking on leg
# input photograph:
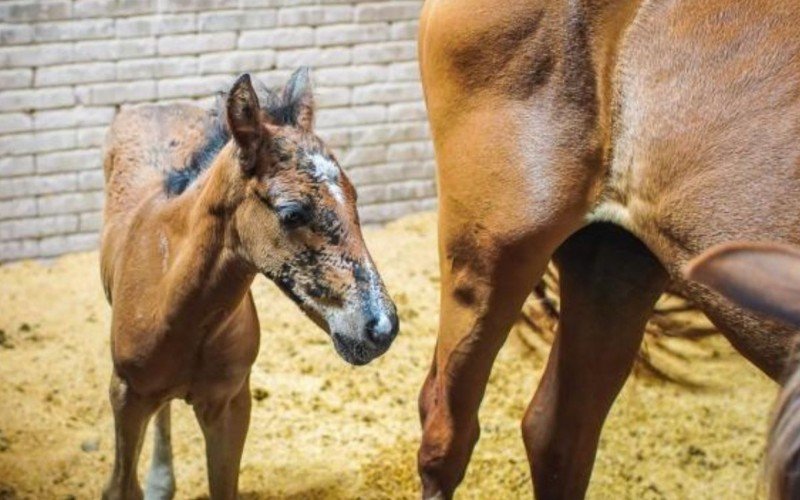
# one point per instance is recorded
(161, 478)
(329, 172)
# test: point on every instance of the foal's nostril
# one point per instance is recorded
(381, 329)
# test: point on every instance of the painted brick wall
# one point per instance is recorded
(66, 66)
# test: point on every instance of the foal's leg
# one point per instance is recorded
(609, 284)
(131, 414)
(161, 478)
(224, 425)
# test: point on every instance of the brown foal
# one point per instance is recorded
(622, 138)
(197, 204)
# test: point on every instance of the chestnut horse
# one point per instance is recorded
(197, 204)
(622, 138)
(765, 277)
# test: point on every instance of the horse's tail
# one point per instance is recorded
(765, 278)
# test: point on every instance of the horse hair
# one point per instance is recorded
(281, 108)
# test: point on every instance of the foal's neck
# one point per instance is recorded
(207, 277)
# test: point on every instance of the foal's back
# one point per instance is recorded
(145, 143)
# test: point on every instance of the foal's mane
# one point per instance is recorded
(280, 107)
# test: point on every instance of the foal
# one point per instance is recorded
(190, 218)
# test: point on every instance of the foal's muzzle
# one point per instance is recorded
(379, 331)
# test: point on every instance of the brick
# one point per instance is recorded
(58, 245)
(192, 86)
(15, 34)
(33, 228)
(404, 72)
(391, 172)
(347, 34)
(15, 78)
(408, 111)
(36, 55)
(388, 211)
(195, 5)
(69, 203)
(406, 30)
(138, 69)
(407, 190)
(110, 50)
(315, 15)
(18, 249)
(91, 180)
(241, 61)
(350, 75)
(18, 208)
(117, 93)
(331, 97)
(73, 30)
(11, 166)
(111, 8)
(338, 117)
(386, 93)
(155, 25)
(90, 222)
(26, 11)
(73, 117)
(396, 132)
(17, 100)
(92, 137)
(368, 155)
(236, 20)
(71, 74)
(277, 38)
(15, 122)
(15, 187)
(387, 11)
(410, 151)
(315, 58)
(39, 142)
(68, 161)
(196, 44)
(389, 52)
(273, 79)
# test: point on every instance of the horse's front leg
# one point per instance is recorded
(131, 414)
(225, 422)
(609, 283)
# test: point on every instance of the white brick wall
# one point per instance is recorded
(66, 66)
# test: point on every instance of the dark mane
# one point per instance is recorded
(280, 108)
(217, 136)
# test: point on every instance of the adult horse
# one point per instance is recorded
(622, 138)
(197, 204)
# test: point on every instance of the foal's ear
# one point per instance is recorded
(762, 277)
(244, 120)
(299, 98)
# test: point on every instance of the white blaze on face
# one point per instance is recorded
(329, 172)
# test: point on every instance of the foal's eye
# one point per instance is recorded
(294, 216)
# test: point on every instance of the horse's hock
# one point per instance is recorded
(67, 66)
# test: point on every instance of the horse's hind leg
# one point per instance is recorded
(161, 478)
(609, 283)
(131, 414)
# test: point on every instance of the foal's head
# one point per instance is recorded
(297, 221)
